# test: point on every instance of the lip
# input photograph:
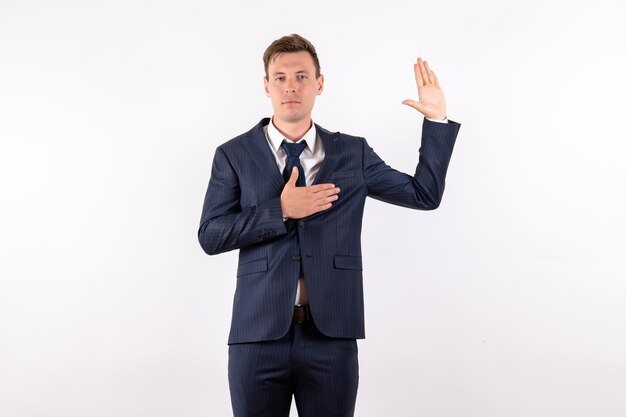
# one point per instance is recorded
(291, 102)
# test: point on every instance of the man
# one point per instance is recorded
(290, 196)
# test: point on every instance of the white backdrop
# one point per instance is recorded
(109, 116)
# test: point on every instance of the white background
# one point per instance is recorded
(109, 116)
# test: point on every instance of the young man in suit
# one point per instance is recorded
(290, 195)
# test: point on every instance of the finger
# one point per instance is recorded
(435, 79)
(294, 176)
(322, 207)
(327, 193)
(323, 199)
(431, 77)
(423, 71)
(412, 103)
(330, 199)
(321, 187)
(418, 76)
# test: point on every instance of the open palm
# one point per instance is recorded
(431, 102)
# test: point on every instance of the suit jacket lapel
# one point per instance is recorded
(262, 155)
(331, 154)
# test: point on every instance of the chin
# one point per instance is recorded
(292, 118)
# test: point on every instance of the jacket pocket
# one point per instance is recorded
(348, 262)
(250, 267)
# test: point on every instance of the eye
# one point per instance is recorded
(302, 77)
(280, 78)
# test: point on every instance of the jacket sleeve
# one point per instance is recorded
(224, 224)
(424, 189)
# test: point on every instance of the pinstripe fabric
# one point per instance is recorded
(242, 211)
(321, 373)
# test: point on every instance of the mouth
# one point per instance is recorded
(291, 102)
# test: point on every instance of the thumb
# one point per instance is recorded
(417, 105)
(294, 177)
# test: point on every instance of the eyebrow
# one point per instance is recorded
(297, 72)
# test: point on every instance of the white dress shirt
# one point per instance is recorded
(311, 159)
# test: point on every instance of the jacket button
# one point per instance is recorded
(296, 257)
(301, 223)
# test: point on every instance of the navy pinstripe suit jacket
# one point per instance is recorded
(242, 211)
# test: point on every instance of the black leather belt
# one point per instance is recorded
(301, 314)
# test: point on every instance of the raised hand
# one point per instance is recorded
(432, 103)
(299, 202)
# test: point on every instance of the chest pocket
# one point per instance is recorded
(350, 173)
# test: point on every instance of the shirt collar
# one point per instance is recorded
(276, 138)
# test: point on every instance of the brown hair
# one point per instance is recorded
(290, 43)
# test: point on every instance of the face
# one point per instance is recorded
(292, 86)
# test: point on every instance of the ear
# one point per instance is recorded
(265, 84)
(320, 84)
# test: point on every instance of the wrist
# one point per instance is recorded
(438, 119)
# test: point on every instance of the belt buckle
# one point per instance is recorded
(301, 314)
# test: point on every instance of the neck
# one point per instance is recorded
(293, 130)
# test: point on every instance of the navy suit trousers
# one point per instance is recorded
(320, 372)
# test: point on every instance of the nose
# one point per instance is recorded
(290, 87)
